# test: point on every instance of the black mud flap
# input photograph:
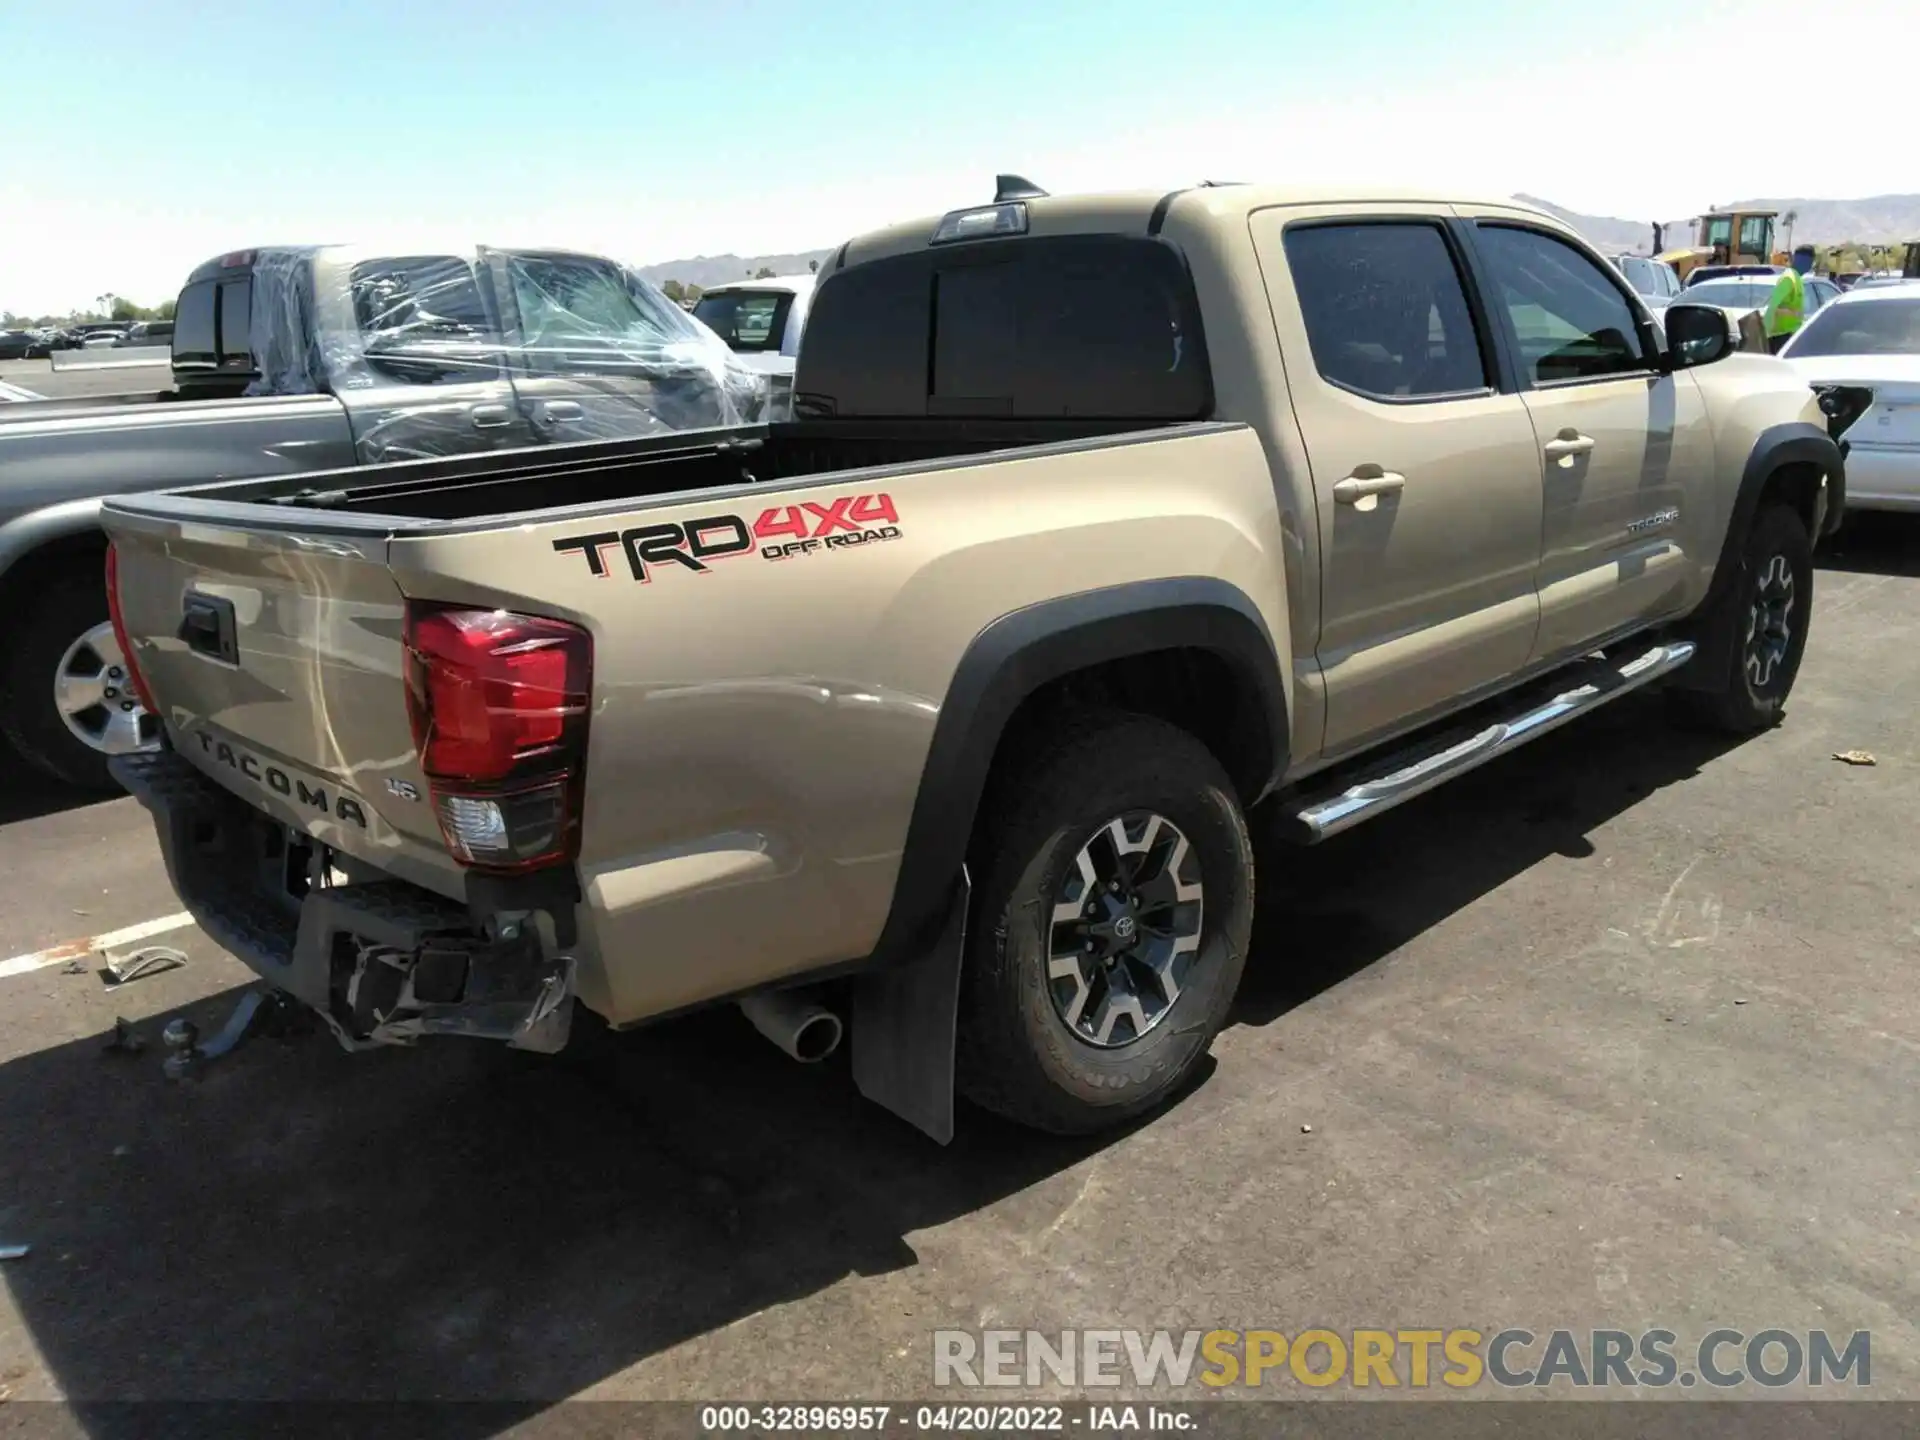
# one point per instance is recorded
(904, 1019)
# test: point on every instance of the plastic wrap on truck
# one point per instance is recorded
(626, 360)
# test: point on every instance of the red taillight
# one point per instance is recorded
(134, 677)
(498, 703)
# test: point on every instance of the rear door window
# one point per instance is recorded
(1081, 326)
(1386, 310)
(423, 321)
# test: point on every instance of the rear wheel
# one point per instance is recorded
(1115, 904)
(67, 704)
(1767, 610)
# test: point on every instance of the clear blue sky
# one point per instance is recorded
(149, 134)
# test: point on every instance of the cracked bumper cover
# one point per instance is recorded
(383, 962)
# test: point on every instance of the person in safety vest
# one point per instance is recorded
(1787, 306)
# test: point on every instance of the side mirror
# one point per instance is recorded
(1697, 335)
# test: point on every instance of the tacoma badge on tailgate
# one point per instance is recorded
(342, 807)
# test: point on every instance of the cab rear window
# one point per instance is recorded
(210, 326)
(1080, 326)
(195, 345)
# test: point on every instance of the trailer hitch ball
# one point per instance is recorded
(182, 1038)
(258, 1010)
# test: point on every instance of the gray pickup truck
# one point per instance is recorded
(311, 358)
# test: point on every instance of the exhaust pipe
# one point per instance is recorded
(796, 1022)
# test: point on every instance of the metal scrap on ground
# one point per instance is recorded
(1854, 757)
(149, 960)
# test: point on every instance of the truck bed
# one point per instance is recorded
(512, 484)
(775, 616)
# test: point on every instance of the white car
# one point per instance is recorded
(1861, 355)
(1654, 281)
(761, 321)
(1751, 292)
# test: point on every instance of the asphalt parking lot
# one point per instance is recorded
(42, 379)
(1620, 1032)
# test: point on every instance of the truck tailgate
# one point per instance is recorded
(276, 660)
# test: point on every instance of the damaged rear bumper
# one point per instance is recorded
(383, 962)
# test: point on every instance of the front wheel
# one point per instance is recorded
(1114, 913)
(1767, 609)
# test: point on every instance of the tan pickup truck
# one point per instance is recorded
(934, 715)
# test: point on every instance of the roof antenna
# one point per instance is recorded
(1015, 187)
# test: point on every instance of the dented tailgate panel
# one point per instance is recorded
(278, 660)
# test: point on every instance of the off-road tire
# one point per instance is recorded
(48, 623)
(1017, 1054)
(1750, 692)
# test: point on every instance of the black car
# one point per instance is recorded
(148, 332)
(15, 344)
(49, 338)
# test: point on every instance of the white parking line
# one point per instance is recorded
(80, 949)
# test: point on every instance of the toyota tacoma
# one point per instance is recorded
(933, 716)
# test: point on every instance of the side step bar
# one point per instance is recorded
(1313, 818)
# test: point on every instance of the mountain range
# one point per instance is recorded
(1877, 219)
(707, 271)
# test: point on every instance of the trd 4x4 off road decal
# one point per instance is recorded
(781, 533)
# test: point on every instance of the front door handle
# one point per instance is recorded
(1356, 488)
(490, 417)
(1567, 444)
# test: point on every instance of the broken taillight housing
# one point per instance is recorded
(1842, 405)
(498, 703)
(127, 657)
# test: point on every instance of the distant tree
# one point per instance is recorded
(124, 309)
(813, 267)
(765, 272)
(674, 291)
(1787, 222)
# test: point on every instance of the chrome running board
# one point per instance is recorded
(1410, 772)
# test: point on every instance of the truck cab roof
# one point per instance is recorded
(1146, 211)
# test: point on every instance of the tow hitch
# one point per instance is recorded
(262, 1010)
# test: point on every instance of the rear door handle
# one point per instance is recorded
(490, 417)
(1356, 488)
(553, 412)
(1567, 444)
